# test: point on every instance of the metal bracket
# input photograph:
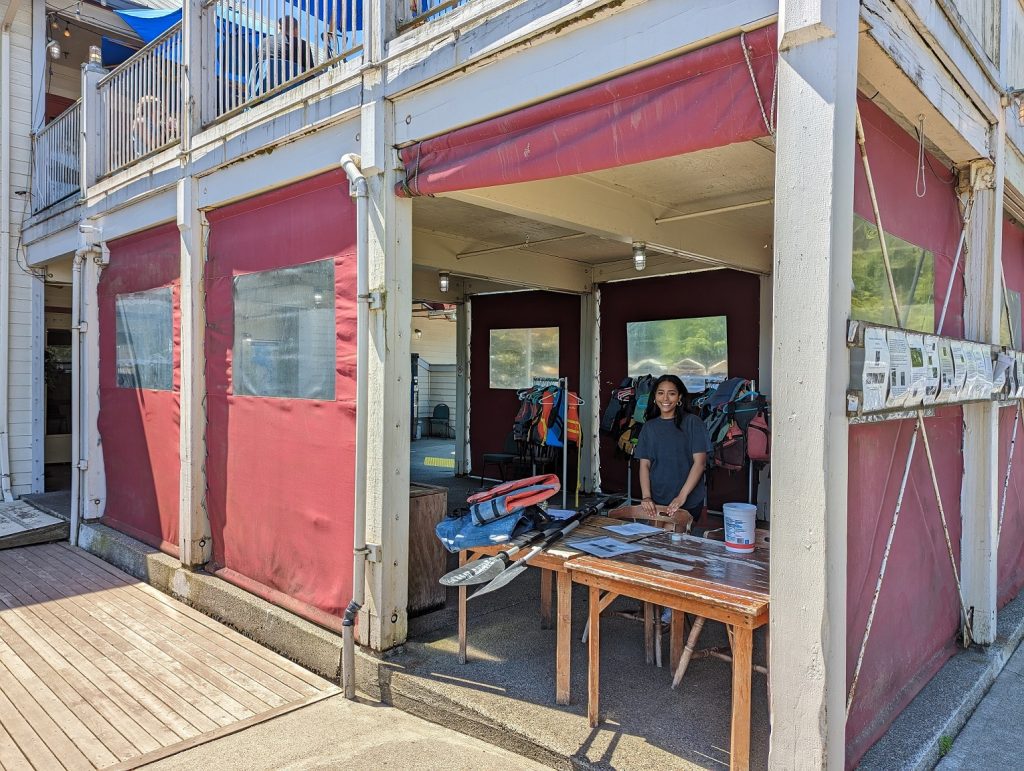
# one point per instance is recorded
(375, 300)
(374, 553)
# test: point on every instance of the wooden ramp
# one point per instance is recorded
(22, 524)
(98, 670)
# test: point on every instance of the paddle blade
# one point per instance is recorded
(476, 572)
(500, 580)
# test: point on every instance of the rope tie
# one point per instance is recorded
(769, 115)
(921, 183)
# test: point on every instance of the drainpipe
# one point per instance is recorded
(358, 190)
(5, 246)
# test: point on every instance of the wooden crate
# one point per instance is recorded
(427, 557)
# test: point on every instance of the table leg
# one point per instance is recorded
(676, 632)
(594, 651)
(563, 636)
(742, 662)
(545, 598)
(649, 632)
(691, 644)
(462, 614)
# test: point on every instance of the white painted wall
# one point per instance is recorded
(436, 342)
(24, 397)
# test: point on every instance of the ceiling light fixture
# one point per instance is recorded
(639, 255)
(95, 55)
(444, 280)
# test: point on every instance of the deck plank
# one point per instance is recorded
(98, 670)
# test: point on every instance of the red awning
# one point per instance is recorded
(699, 100)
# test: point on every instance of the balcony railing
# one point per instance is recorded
(55, 159)
(265, 47)
(415, 12)
(140, 102)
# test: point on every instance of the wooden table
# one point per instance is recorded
(552, 562)
(695, 576)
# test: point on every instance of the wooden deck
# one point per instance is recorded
(98, 670)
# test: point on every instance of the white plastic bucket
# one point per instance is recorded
(739, 526)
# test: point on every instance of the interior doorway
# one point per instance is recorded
(57, 378)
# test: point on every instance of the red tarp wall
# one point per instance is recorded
(918, 610)
(493, 410)
(139, 428)
(1011, 541)
(708, 293)
(280, 470)
(629, 119)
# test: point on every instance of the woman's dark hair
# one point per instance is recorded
(681, 409)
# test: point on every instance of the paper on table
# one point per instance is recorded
(875, 383)
(633, 528)
(604, 547)
(899, 368)
(559, 513)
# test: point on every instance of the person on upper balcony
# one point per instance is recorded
(281, 58)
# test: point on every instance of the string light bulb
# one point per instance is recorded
(67, 30)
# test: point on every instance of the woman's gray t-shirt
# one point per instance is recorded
(670, 451)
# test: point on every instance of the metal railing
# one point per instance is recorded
(56, 172)
(417, 12)
(264, 47)
(140, 102)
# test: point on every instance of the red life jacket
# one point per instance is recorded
(510, 497)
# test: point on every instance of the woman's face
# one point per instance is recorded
(667, 399)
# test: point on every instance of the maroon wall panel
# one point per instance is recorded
(1011, 540)
(493, 410)
(708, 293)
(139, 427)
(918, 610)
(281, 470)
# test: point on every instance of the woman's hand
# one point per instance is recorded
(648, 506)
(674, 505)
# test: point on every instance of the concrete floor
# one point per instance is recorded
(337, 733)
(992, 737)
(508, 686)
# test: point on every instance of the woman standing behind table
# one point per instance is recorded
(673, 451)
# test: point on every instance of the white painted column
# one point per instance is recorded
(194, 539)
(817, 79)
(463, 324)
(94, 481)
(90, 156)
(765, 335)
(589, 390)
(979, 500)
(383, 620)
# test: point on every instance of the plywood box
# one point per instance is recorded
(427, 557)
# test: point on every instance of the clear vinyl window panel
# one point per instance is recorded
(145, 339)
(1010, 321)
(913, 270)
(694, 349)
(517, 356)
(285, 339)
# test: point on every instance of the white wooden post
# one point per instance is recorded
(195, 543)
(383, 621)
(463, 324)
(94, 480)
(817, 79)
(979, 501)
(90, 155)
(590, 390)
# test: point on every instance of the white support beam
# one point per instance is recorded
(519, 268)
(765, 336)
(813, 265)
(383, 620)
(896, 61)
(589, 390)
(979, 502)
(94, 480)
(195, 540)
(577, 204)
(488, 60)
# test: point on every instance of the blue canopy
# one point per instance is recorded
(150, 23)
(114, 52)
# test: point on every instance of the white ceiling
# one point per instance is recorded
(695, 182)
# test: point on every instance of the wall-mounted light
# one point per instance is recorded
(418, 333)
(639, 255)
(444, 279)
(95, 55)
(53, 49)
